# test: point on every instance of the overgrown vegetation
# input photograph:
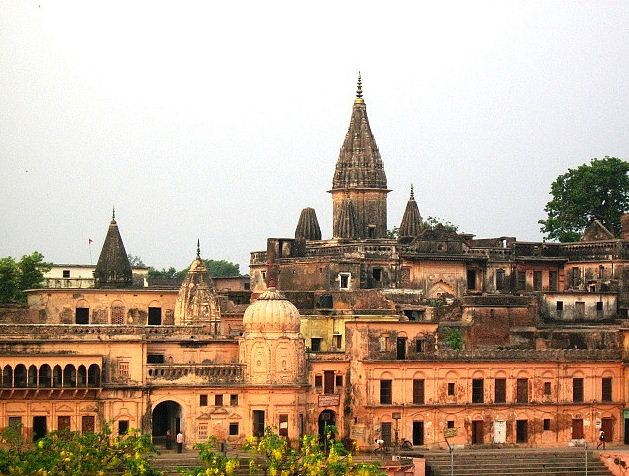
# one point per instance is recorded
(18, 276)
(66, 453)
(454, 338)
(215, 268)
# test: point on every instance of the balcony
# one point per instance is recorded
(195, 374)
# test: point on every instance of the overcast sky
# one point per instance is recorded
(222, 120)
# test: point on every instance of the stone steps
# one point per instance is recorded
(512, 462)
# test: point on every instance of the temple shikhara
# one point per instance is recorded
(420, 334)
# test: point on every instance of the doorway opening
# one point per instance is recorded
(418, 433)
(326, 418)
(166, 416)
(39, 427)
(477, 432)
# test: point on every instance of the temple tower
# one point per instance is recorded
(359, 176)
(197, 302)
(113, 269)
(412, 224)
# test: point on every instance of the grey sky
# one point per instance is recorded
(223, 120)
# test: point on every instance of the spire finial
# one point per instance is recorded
(412, 195)
(113, 213)
(198, 249)
(359, 87)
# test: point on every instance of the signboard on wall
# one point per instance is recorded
(450, 432)
(329, 400)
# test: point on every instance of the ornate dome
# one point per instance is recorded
(272, 312)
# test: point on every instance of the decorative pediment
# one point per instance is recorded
(64, 408)
(596, 232)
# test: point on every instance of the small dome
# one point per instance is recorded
(272, 312)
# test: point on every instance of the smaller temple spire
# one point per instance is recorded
(198, 249)
(346, 225)
(359, 87)
(308, 225)
(412, 223)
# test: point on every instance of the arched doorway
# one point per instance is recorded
(166, 416)
(326, 418)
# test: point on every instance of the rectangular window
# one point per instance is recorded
(401, 348)
(155, 358)
(500, 390)
(386, 392)
(579, 308)
(338, 381)
(155, 316)
(64, 423)
(559, 306)
(547, 389)
(203, 400)
(577, 390)
(522, 390)
(577, 429)
(315, 344)
(87, 424)
(117, 315)
(478, 388)
(258, 423)
(123, 427)
(521, 276)
(450, 388)
(599, 305)
(338, 341)
(328, 382)
(500, 279)
(283, 430)
(420, 346)
(82, 315)
(450, 424)
(377, 274)
(123, 370)
(66, 273)
(553, 281)
(384, 343)
(344, 280)
(471, 279)
(202, 431)
(546, 424)
(218, 400)
(233, 400)
(318, 381)
(575, 278)
(606, 389)
(15, 422)
(233, 429)
(537, 280)
(418, 391)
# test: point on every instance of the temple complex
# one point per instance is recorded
(426, 333)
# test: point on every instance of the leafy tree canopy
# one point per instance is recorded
(595, 191)
(135, 260)
(18, 276)
(434, 222)
(215, 268)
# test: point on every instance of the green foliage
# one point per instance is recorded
(18, 276)
(215, 462)
(74, 454)
(434, 222)
(215, 268)
(393, 233)
(278, 458)
(454, 339)
(598, 190)
(135, 260)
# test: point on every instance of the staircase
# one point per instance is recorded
(169, 462)
(558, 462)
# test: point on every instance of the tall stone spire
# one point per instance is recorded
(359, 170)
(345, 226)
(412, 223)
(113, 268)
(308, 225)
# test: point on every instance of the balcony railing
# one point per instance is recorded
(195, 373)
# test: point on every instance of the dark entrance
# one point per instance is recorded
(418, 433)
(521, 431)
(385, 433)
(477, 432)
(166, 416)
(326, 418)
(155, 316)
(607, 425)
(258, 423)
(626, 431)
(39, 427)
(401, 348)
(577, 428)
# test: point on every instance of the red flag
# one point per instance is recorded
(89, 241)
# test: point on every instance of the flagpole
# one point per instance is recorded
(89, 244)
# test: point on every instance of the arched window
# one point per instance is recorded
(32, 376)
(57, 376)
(19, 377)
(7, 376)
(69, 376)
(45, 376)
(93, 376)
(81, 380)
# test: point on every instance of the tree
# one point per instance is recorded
(75, 454)
(18, 276)
(273, 455)
(434, 222)
(135, 260)
(215, 268)
(595, 191)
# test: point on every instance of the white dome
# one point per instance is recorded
(272, 312)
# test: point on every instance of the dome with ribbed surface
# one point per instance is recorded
(271, 312)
